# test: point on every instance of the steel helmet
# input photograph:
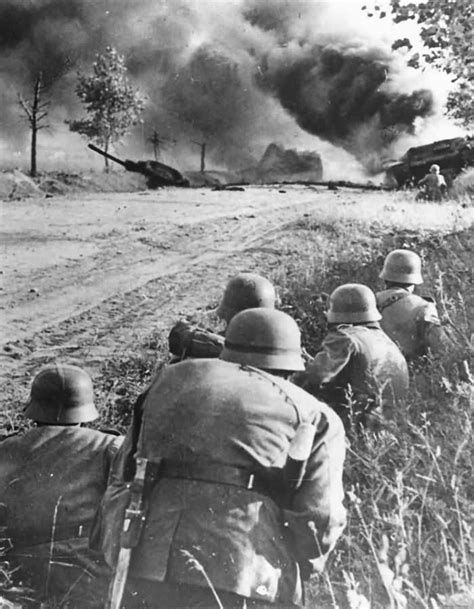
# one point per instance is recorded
(264, 338)
(352, 303)
(435, 168)
(246, 291)
(61, 394)
(402, 266)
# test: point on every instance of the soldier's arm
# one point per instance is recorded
(434, 336)
(316, 516)
(337, 350)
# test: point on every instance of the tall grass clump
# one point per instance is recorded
(463, 186)
(409, 486)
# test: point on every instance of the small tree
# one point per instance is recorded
(112, 104)
(36, 111)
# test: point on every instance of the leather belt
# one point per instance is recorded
(60, 533)
(212, 472)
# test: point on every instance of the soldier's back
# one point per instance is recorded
(212, 425)
(51, 481)
(408, 319)
(377, 371)
(359, 370)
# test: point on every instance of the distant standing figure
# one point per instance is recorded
(433, 184)
(244, 291)
(51, 481)
(411, 321)
(359, 371)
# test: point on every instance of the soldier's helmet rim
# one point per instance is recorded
(264, 338)
(353, 303)
(61, 394)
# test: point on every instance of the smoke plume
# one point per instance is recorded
(236, 74)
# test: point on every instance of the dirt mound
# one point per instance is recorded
(16, 185)
(61, 182)
(279, 164)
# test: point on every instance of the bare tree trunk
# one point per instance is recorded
(34, 124)
(202, 145)
(34, 132)
(203, 157)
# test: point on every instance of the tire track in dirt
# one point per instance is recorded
(89, 309)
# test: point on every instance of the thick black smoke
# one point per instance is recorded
(230, 73)
(340, 97)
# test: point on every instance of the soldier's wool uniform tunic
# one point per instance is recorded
(358, 368)
(51, 481)
(222, 501)
(411, 321)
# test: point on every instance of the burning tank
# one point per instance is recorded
(157, 174)
(452, 155)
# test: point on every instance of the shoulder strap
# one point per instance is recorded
(392, 300)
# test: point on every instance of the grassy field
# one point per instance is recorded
(410, 487)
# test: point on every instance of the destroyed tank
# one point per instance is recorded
(157, 174)
(452, 155)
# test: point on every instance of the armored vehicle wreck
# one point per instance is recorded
(452, 155)
(157, 174)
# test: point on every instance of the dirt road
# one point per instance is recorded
(72, 268)
(63, 256)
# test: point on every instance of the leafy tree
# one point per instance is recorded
(113, 105)
(36, 112)
(446, 30)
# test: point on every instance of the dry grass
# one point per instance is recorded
(410, 487)
(463, 186)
